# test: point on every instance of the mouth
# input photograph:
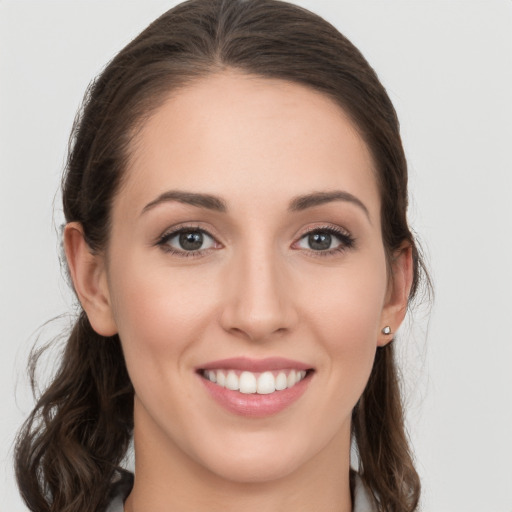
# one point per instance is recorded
(261, 383)
(255, 388)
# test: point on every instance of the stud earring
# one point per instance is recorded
(386, 330)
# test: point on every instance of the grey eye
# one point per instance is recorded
(191, 240)
(319, 241)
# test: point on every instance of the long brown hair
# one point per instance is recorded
(71, 447)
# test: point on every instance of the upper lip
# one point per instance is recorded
(255, 365)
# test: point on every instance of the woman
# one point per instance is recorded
(235, 197)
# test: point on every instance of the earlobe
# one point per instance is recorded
(89, 278)
(397, 296)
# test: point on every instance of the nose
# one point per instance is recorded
(258, 298)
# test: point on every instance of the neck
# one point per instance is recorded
(169, 479)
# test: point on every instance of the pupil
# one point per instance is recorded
(191, 241)
(319, 241)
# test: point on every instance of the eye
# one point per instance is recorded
(325, 240)
(187, 241)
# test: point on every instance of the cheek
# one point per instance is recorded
(345, 310)
(162, 315)
(348, 302)
(159, 312)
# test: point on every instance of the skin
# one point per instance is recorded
(259, 291)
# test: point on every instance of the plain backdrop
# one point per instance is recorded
(447, 66)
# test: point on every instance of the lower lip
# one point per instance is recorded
(254, 405)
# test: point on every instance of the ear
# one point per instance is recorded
(89, 278)
(397, 296)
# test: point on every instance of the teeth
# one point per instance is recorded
(250, 383)
(281, 381)
(232, 381)
(266, 383)
(221, 378)
(292, 379)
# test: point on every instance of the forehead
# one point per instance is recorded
(249, 138)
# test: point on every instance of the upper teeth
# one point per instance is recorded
(249, 382)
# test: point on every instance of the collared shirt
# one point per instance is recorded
(362, 501)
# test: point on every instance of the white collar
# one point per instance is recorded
(362, 501)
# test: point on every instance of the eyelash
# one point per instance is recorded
(163, 242)
(345, 239)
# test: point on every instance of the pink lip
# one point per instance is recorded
(255, 405)
(255, 365)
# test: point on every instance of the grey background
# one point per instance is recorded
(448, 68)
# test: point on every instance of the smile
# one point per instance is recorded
(262, 383)
(255, 388)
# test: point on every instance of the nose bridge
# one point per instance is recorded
(258, 302)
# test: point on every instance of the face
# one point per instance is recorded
(246, 249)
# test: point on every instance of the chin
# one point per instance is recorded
(256, 469)
(264, 456)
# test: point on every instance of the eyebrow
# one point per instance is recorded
(299, 203)
(201, 200)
